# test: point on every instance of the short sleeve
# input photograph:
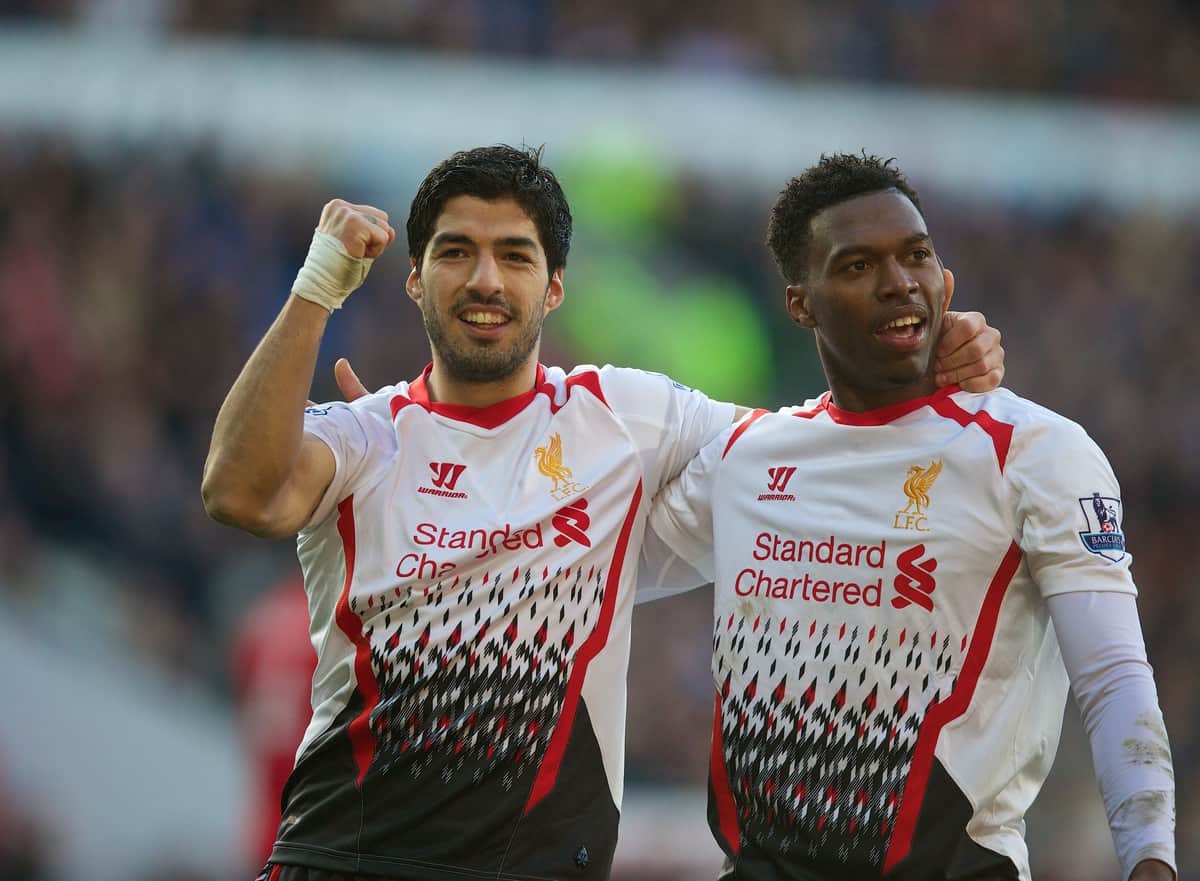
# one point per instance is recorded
(1069, 513)
(682, 514)
(360, 438)
(670, 422)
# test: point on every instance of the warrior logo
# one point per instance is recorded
(917, 486)
(446, 474)
(1103, 536)
(572, 522)
(445, 478)
(777, 481)
(915, 582)
(550, 463)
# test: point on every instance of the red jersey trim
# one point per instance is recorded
(484, 417)
(1000, 432)
(589, 380)
(816, 410)
(882, 415)
(943, 713)
(361, 739)
(746, 422)
(718, 775)
(548, 771)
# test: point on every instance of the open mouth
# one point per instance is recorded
(483, 321)
(905, 332)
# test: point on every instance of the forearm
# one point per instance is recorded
(1132, 759)
(1102, 647)
(257, 436)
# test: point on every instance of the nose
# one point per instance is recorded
(895, 280)
(486, 278)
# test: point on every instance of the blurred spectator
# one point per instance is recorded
(23, 842)
(272, 671)
(1106, 49)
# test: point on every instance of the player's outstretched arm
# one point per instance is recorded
(969, 353)
(262, 474)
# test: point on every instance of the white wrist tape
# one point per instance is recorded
(329, 274)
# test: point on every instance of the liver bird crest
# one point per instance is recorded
(549, 462)
(916, 487)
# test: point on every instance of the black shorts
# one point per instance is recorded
(280, 872)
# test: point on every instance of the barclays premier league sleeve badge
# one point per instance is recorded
(1104, 536)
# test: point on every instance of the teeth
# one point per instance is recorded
(903, 322)
(483, 318)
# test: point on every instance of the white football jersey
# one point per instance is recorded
(470, 576)
(889, 688)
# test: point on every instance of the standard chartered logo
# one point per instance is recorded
(838, 572)
(915, 582)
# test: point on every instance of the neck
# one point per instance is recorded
(854, 397)
(445, 388)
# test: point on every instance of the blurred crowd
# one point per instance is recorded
(1107, 49)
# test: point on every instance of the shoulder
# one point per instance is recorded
(617, 379)
(630, 391)
(1027, 418)
(369, 404)
(372, 413)
(1042, 442)
(759, 427)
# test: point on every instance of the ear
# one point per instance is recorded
(949, 277)
(796, 301)
(554, 293)
(413, 284)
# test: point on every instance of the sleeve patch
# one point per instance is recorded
(1103, 536)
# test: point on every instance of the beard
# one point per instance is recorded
(478, 361)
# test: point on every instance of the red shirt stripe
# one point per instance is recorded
(548, 771)
(955, 704)
(361, 738)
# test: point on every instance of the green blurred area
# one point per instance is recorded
(624, 306)
(703, 331)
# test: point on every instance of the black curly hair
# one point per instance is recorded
(831, 181)
(491, 173)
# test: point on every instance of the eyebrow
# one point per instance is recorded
(845, 251)
(458, 238)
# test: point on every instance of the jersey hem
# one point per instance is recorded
(314, 857)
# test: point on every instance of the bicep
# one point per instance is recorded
(300, 495)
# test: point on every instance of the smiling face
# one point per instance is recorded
(484, 289)
(875, 293)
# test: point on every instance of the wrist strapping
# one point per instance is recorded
(329, 274)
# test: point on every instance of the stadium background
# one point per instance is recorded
(162, 163)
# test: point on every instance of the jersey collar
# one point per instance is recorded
(483, 417)
(881, 416)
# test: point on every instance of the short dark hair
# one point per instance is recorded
(491, 173)
(831, 181)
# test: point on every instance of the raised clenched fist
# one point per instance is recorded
(363, 230)
(346, 242)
